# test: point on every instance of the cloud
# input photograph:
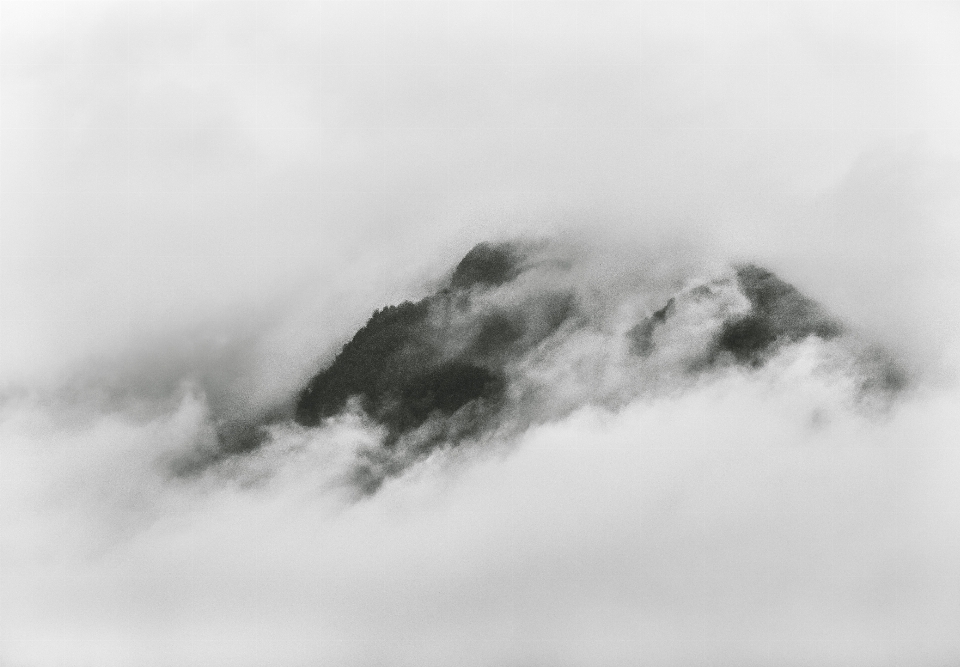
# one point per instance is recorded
(200, 204)
(723, 523)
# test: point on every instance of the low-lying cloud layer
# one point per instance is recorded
(722, 525)
(202, 204)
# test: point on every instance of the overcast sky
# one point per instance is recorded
(164, 160)
(253, 178)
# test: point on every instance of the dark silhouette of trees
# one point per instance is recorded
(370, 366)
(392, 366)
(779, 313)
(487, 265)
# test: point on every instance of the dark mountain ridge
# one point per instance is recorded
(450, 366)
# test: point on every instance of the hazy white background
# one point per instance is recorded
(198, 199)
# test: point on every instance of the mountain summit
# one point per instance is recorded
(512, 337)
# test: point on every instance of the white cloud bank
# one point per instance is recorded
(723, 526)
(221, 195)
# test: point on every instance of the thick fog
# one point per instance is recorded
(201, 202)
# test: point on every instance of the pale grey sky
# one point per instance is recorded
(164, 159)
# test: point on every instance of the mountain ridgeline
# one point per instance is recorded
(449, 358)
(778, 314)
(398, 368)
(517, 335)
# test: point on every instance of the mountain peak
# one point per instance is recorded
(444, 369)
